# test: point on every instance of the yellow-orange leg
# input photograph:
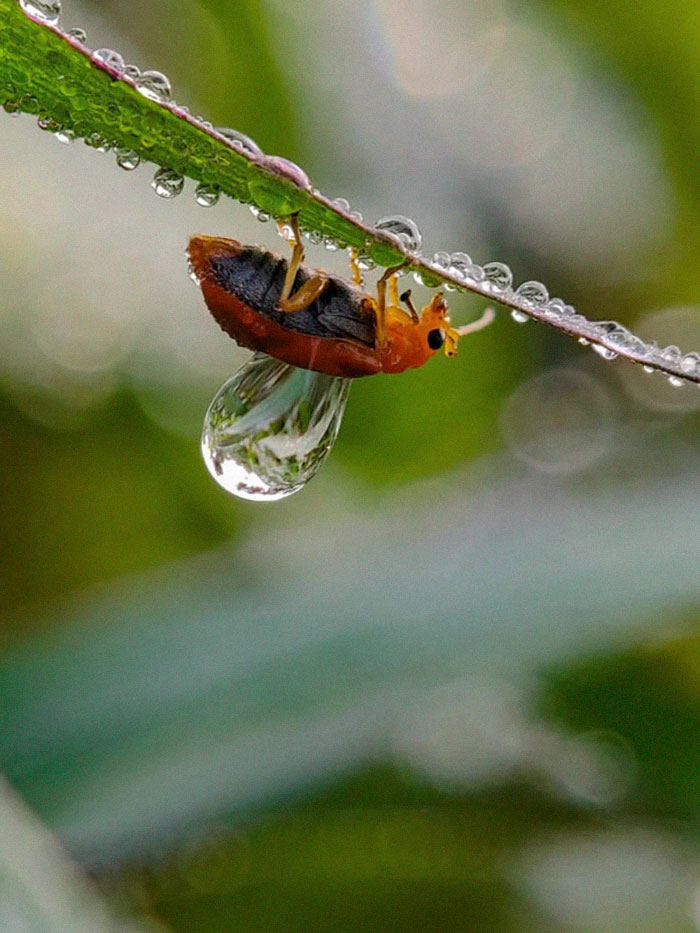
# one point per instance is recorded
(307, 293)
(394, 291)
(356, 271)
(388, 279)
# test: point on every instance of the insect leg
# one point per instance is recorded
(381, 300)
(394, 290)
(356, 272)
(307, 293)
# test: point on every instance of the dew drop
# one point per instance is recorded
(604, 352)
(285, 231)
(498, 277)
(671, 355)
(441, 260)
(95, 141)
(78, 34)
(474, 274)
(330, 244)
(259, 214)
(556, 309)
(239, 140)
(47, 11)
(534, 293)
(648, 369)
(206, 195)
(690, 364)
(154, 85)
(128, 159)
(365, 262)
(584, 342)
(167, 184)
(270, 428)
(459, 264)
(47, 124)
(404, 229)
(519, 316)
(110, 58)
(676, 381)
(64, 136)
(287, 169)
(132, 71)
(342, 204)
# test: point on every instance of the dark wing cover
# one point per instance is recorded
(255, 277)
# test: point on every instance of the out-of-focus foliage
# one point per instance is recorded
(466, 703)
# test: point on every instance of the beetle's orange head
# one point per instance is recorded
(411, 342)
(435, 327)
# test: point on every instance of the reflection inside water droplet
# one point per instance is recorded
(167, 184)
(206, 195)
(270, 428)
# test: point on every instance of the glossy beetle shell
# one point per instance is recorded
(241, 286)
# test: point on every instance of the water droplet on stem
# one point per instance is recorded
(239, 140)
(128, 159)
(404, 229)
(48, 11)
(154, 85)
(110, 58)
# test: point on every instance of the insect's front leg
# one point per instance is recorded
(307, 293)
(388, 279)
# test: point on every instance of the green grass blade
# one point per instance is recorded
(45, 72)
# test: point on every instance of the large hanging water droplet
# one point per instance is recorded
(270, 428)
(48, 11)
(154, 85)
(167, 184)
(404, 229)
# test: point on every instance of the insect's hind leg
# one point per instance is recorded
(307, 293)
(355, 268)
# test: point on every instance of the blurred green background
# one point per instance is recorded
(455, 683)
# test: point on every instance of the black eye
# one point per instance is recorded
(436, 338)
